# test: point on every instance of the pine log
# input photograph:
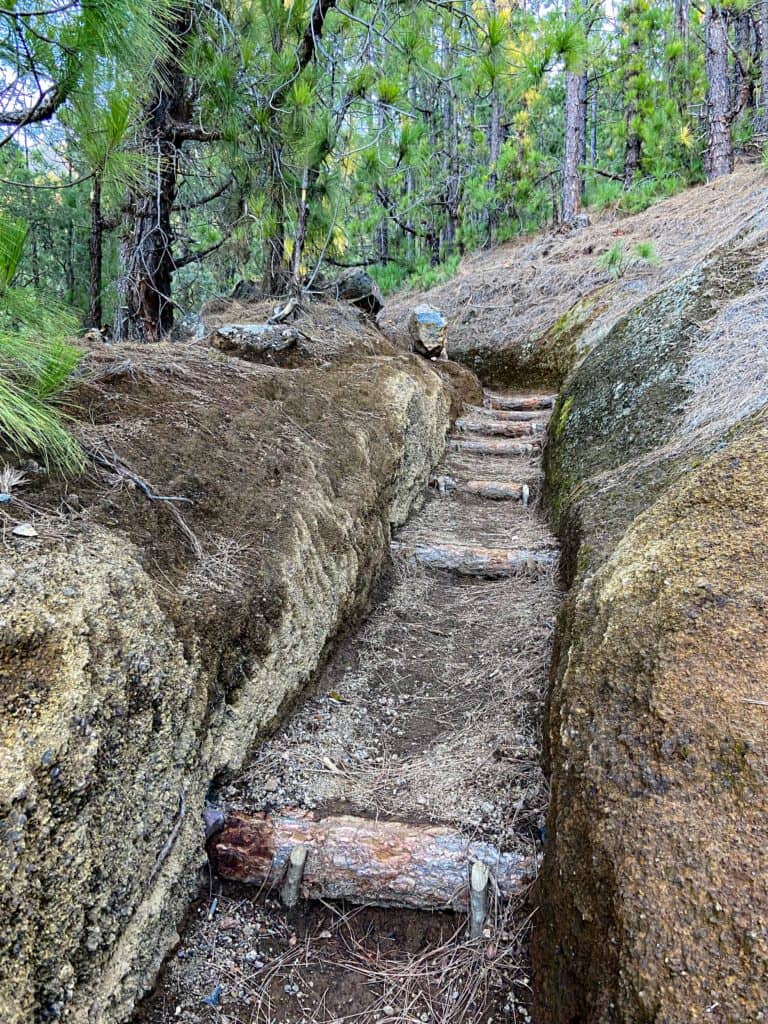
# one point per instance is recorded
(382, 863)
(518, 404)
(499, 428)
(471, 561)
(494, 490)
(542, 416)
(501, 447)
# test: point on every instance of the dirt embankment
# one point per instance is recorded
(143, 650)
(522, 314)
(653, 897)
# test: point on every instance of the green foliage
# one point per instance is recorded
(617, 261)
(36, 364)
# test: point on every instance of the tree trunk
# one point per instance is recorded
(718, 158)
(382, 863)
(743, 85)
(593, 125)
(95, 257)
(300, 236)
(631, 84)
(145, 304)
(764, 59)
(574, 128)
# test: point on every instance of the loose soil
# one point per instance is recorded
(431, 712)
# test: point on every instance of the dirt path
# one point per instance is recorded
(429, 713)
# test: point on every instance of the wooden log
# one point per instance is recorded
(472, 561)
(499, 428)
(382, 863)
(542, 416)
(494, 490)
(497, 447)
(520, 404)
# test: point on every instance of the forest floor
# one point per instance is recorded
(430, 712)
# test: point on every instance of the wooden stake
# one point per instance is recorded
(478, 899)
(383, 863)
(499, 428)
(504, 447)
(517, 404)
(487, 562)
(291, 888)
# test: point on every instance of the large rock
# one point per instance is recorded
(257, 343)
(359, 288)
(133, 674)
(653, 896)
(428, 332)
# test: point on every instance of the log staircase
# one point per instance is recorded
(485, 491)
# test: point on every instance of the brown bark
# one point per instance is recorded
(633, 145)
(542, 416)
(718, 158)
(497, 447)
(514, 404)
(387, 864)
(95, 257)
(494, 490)
(574, 126)
(145, 307)
(489, 563)
(499, 428)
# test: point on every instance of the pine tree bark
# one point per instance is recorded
(95, 257)
(764, 60)
(718, 158)
(574, 121)
(633, 148)
(145, 305)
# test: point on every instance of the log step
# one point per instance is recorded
(499, 428)
(518, 404)
(542, 416)
(381, 863)
(489, 563)
(500, 447)
(497, 490)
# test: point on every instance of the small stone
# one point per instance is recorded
(25, 530)
(271, 785)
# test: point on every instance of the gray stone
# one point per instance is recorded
(428, 332)
(359, 288)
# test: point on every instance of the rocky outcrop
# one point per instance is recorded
(133, 674)
(653, 902)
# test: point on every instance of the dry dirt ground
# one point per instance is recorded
(430, 713)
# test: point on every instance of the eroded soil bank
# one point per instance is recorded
(142, 649)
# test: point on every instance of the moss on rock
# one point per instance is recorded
(653, 903)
